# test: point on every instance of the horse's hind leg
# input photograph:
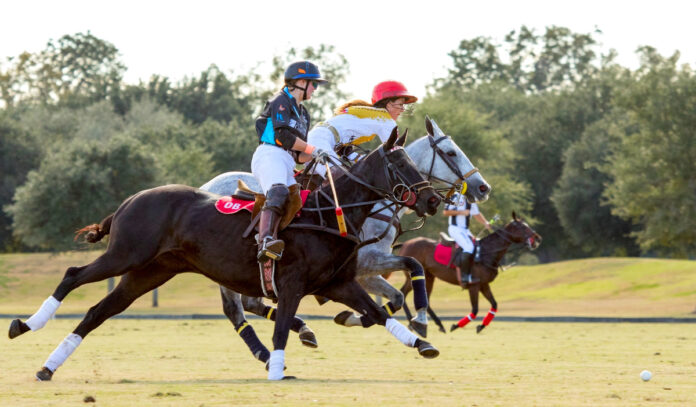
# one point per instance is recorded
(232, 306)
(256, 306)
(486, 291)
(376, 285)
(109, 264)
(354, 296)
(132, 285)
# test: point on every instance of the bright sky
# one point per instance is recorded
(405, 40)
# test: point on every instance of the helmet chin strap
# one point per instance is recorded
(304, 90)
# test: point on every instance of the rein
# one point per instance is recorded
(437, 151)
(503, 234)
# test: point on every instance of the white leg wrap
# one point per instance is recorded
(421, 316)
(400, 332)
(63, 351)
(276, 365)
(46, 312)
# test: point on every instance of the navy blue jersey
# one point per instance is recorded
(282, 121)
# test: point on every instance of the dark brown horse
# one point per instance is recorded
(492, 249)
(164, 231)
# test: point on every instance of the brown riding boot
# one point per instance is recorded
(269, 248)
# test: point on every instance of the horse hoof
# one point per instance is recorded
(419, 327)
(442, 329)
(454, 326)
(17, 328)
(289, 378)
(308, 338)
(479, 328)
(342, 317)
(427, 350)
(44, 375)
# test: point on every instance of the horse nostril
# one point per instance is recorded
(434, 200)
(483, 188)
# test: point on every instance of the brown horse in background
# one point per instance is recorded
(492, 249)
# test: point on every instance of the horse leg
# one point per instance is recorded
(429, 283)
(405, 290)
(376, 285)
(473, 298)
(233, 309)
(353, 295)
(287, 307)
(256, 306)
(132, 285)
(486, 291)
(109, 264)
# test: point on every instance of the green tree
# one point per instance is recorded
(80, 184)
(578, 197)
(653, 169)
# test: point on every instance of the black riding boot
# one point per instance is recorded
(465, 262)
(271, 214)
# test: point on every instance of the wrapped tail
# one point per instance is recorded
(94, 233)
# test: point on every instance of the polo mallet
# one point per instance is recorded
(339, 212)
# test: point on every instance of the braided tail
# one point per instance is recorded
(94, 233)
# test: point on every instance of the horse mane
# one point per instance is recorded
(355, 102)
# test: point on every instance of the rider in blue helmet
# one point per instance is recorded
(282, 129)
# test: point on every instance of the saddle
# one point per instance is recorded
(447, 249)
(292, 207)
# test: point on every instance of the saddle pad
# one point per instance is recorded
(229, 204)
(443, 254)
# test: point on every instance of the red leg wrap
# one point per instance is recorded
(462, 322)
(489, 317)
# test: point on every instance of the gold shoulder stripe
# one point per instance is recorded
(368, 112)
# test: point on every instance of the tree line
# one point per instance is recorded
(599, 158)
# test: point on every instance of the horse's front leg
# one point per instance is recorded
(256, 306)
(486, 291)
(353, 295)
(288, 301)
(473, 297)
(232, 306)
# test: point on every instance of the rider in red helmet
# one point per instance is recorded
(357, 121)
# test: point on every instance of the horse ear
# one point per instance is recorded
(429, 126)
(392, 138)
(514, 216)
(402, 140)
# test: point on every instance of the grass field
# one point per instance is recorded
(204, 363)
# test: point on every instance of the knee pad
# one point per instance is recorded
(276, 198)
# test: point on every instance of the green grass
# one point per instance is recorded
(589, 287)
(204, 363)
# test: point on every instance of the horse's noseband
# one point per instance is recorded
(402, 192)
(450, 164)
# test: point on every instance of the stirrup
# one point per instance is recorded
(472, 280)
(270, 249)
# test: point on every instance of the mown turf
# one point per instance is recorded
(204, 363)
(629, 287)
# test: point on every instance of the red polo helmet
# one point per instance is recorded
(391, 89)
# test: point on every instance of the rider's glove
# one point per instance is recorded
(320, 155)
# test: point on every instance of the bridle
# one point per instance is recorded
(402, 192)
(437, 151)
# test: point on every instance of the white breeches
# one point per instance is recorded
(462, 237)
(272, 165)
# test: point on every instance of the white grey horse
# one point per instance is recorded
(444, 164)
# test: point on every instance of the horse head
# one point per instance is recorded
(440, 159)
(518, 231)
(395, 174)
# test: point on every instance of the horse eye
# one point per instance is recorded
(452, 153)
